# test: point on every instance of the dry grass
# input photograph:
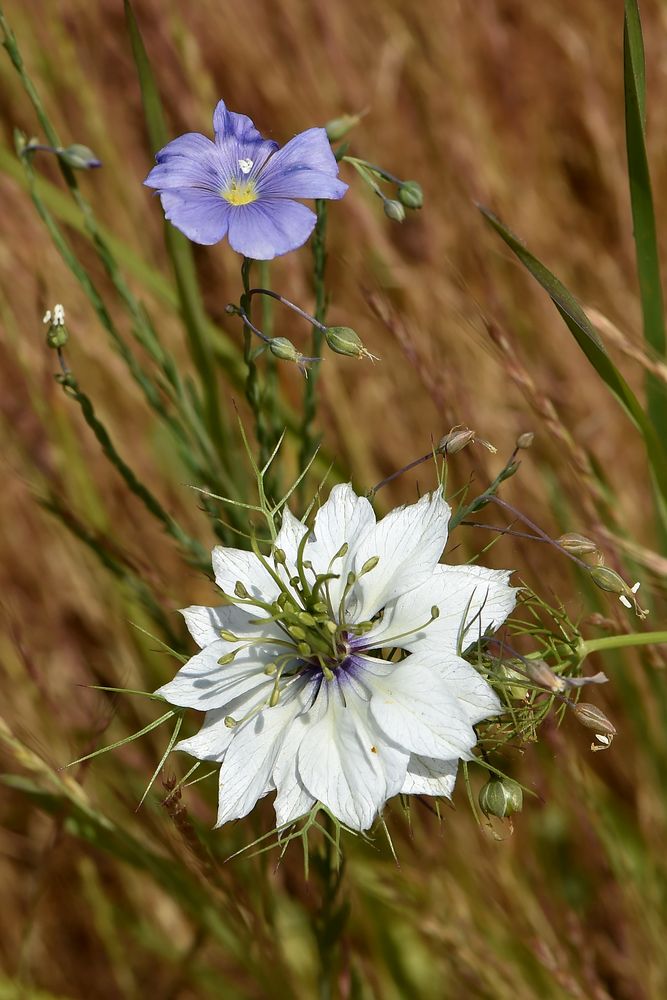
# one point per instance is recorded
(514, 104)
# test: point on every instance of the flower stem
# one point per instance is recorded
(331, 917)
(610, 642)
(252, 389)
(308, 440)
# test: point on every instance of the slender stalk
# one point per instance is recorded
(609, 642)
(252, 387)
(308, 439)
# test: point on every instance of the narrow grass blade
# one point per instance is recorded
(179, 249)
(643, 215)
(584, 333)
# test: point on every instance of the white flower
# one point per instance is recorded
(294, 673)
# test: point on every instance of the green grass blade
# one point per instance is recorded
(643, 215)
(586, 336)
(179, 249)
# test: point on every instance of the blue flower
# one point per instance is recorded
(243, 186)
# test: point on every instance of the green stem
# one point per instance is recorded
(252, 387)
(621, 642)
(308, 440)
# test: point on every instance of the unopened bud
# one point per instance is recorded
(410, 194)
(79, 157)
(540, 673)
(577, 544)
(338, 128)
(57, 336)
(525, 440)
(500, 797)
(591, 717)
(284, 349)
(456, 440)
(394, 210)
(344, 340)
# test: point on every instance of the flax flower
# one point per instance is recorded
(334, 673)
(243, 186)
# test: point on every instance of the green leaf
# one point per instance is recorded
(586, 336)
(643, 215)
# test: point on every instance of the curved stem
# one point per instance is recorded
(609, 642)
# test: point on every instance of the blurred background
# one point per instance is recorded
(509, 103)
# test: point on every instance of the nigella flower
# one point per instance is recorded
(243, 186)
(301, 691)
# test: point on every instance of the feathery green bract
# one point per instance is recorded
(584, 333)
(643, 215)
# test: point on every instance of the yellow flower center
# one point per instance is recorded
(240, 192)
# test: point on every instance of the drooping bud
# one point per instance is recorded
(539, 673)
(500, 797)
(79, 157)
(394, 210)
(456, 440)
(338, 128)
(284, 349)
(344, 340)
(410, 194)
(577, 544)
(525, 440)
(592, 717)
(607, 579)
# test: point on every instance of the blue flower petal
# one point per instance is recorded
(304, 168)
(267, 228)
(230, 125)
(192, 160)
(201, 216)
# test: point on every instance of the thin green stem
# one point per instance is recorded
(609, 642)
(308, 439)
(252, 387)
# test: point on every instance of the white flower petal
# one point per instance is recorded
(293, 799)
(212, 740)
(481, 596)
(408, 541)
(233, 565)
(413, 707)
(427, 776)
(343, 763)
(205, 684)
(344, 518)
(204, 624)
(472, 693)
(290, 535)
(245, 775)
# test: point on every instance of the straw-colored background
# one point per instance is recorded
(514, 104)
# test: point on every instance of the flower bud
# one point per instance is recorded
(338, 128)
(394, 210)
(410, 194)
(591, 717)
(344, 340)
(525, 440)
(284, 349)
(79, 157)
(540, 673)
(456, 440)
(577, 544)
(57, 336)
(500, 797)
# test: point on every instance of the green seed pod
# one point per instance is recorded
(79, 157)
(344, 340)
(338, 128)
(57, 336)
(577, 544)
(500, 797)
(607, 579)
(394, 210)
(410, 194)
(284, 349)
(592, 718)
